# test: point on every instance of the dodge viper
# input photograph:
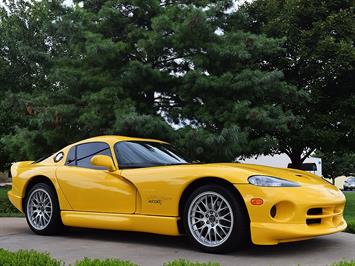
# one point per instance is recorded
(146, 185)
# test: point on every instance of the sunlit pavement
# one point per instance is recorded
(148, 249)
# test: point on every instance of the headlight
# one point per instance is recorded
(269, 181)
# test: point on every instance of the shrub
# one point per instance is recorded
(6, 208)
(344, 263)
(106, 262)
(28, 258)
(182, 262)
(351, 227)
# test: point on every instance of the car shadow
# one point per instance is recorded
(304, 247)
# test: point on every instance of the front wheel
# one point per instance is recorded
(214, 220)
(42, 210)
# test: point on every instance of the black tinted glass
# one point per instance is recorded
(135, 154)
(86, 151)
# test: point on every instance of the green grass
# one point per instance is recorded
(106, 262)
(6, 208)
(350, 206)
(344, 263)
(35, 258)
(183, 262)
(349, 212)
(27, 257)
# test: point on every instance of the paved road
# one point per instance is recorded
(148, 249)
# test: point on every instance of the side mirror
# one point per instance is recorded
(103, 161)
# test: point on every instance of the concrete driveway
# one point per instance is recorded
(148, 249)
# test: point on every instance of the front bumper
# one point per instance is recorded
(293, 213)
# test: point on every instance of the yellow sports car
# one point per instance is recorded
(122, 183)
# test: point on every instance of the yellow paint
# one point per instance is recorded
(147, 199)
(125, 222)
(103, 161)
(292, 203)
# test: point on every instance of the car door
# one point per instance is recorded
(157, 171)
(93, 189)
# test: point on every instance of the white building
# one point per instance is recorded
(311, 164)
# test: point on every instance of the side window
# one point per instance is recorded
(84, 153)
(71, 156)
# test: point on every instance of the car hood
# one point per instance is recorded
(247, 170)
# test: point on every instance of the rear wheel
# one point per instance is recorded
(214, 220)
(42, 210)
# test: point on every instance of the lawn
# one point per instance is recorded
(350, 211)
(6, 208)
(35, 258)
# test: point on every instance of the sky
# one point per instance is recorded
(69, 2)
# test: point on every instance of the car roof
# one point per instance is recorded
(114, 138)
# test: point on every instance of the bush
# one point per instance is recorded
(106, 262)
(351, 227)
(28, 258)
(6, 208)
(182, 262)
(34, 258)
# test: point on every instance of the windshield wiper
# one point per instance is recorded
(167, 164)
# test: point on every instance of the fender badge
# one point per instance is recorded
(154, 201)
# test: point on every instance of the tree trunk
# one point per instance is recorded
(296, 162)
(296, 159)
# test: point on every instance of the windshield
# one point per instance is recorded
(351, 180)
(138, 154)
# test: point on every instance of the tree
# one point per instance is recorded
(165, 57)
(319, 61)
(337, 164)
(129, 67)
(25, 59)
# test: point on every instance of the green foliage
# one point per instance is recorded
(106, 262)
(34, 258)
(136, 68)
(337, 163)
(344, 263)
(349, 212)
(351, 227)
(319, 61)
(27, 257)
(251, 81)
(6, 208)
(183, 262)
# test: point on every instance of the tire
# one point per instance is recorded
(215, 209)
(42, 210)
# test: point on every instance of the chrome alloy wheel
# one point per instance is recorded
(210, 219)
(39, 209)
